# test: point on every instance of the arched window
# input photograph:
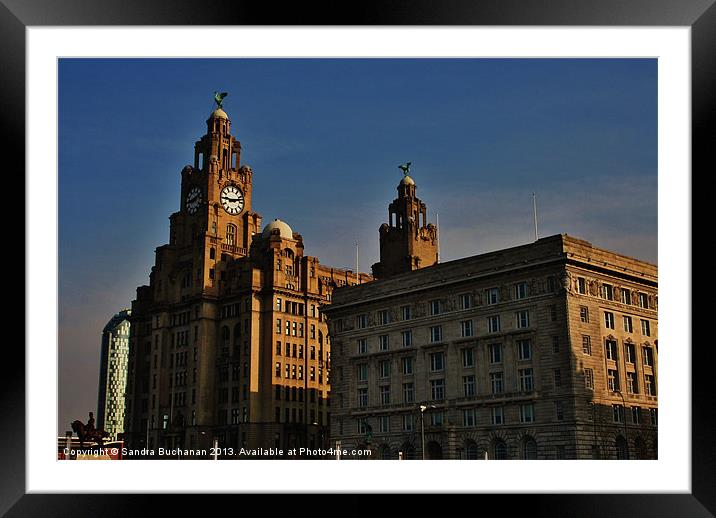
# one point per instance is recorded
(385, 452)
(529, 448)
(499, 450)
(622, 448)
(408, 451)
(231, 234)
(471, 451)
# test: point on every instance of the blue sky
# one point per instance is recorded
(324, 138)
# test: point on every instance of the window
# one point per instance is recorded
(618, 413)
(407, 423)
(607, 292)
(555, 344)
(288, 328)
(643, 301)
(497, 415)
(557, 378)
(495, 353)
(362, 372)
(434, 307)
(436, 418)
(383, 317)
(465, 301)
(468, 357)
(384, 369)
(468, 385)
(407, 338)
(278, 348)
(613, 380)
(437, 389)
(521, 290)
(407, 365)
(408, 393)
(609, 320)
(363, 397)
(436, 333)
(278, 370)
(524, 349)
(492, 295)
(363, 427)
(493, 324)
(362, 321)
(385, 394)
(626, 296)
(584, 314)
(231, 235)
(589, 379)
(278, 326)
(405, 312)
(466, 328)
(558, 411)
(437, 361)
(278, 304)
(581, 285)
(527, 413)
(468, 417)
(587, 344)
(649, 385)
(645, 328)
(383, 342)
(627, 324)
(526, 380)
(553, 313)
(636, 415)
(630, 353)
(496, 382)
(653, 416)
(362, 347)
(611, 346)
(632, 386)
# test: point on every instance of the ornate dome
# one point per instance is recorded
(407, 180)
(218, 113)
(284, 230)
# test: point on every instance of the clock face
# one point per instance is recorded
(232, 199)
(193, 200)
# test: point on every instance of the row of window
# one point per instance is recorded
(296, 351)
(608, 292)
(293, 371)
(296, 329)
(612, 351)
(632, 382)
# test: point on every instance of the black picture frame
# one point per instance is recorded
(700, 15)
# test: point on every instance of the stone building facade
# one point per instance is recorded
(114, 356)
(228, 341)
(543, 351)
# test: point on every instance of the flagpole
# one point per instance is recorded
(357, 275)
(534, 206)
(437, 231)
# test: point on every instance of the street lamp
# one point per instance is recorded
(626, 434)
(423, 408)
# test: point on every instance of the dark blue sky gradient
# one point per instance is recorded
(324, 138)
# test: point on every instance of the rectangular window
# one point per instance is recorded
(527, 413)
(521, 290)
(278, 326)
(607, 292)
(611, 347)
(649, 385)
(436, 333)
(558, 411)
(645, 330)
(406, 313)
(630, 353)
(384, 424)
(496, 382)
(384, 369)
(643, 301)
(437, 361)
(493, 324)
(524, 349)
(468, 357)
(626, 296)
(407, 338)
(362, 372)
(362, 347)
(584, 314)
(362, 397)
(466, 328)
(495, 353)
(618, 413)
(278, 348)
(383, 342)
(557, 378)
(468, 385)
(383, 317)
(526, 380)
(465, 301)
(627, 324)
(589, 379)
(632, 386)
(407, 423)
(612, 380)
(278, 370)
(581, 285)
(636, 415)
(407, 365)
(437, 389)
(497, 415)
(468, 417)
(278, 304)
(362, 321)
(609, 320)
(653, 416)
(587, 344)
(555, 344)
(434, 307)
(288, 328)
(436, 418)
(492, 295)
(408, 393)
(385, 394)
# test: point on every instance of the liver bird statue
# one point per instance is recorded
(405, 168)
(219, 97)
